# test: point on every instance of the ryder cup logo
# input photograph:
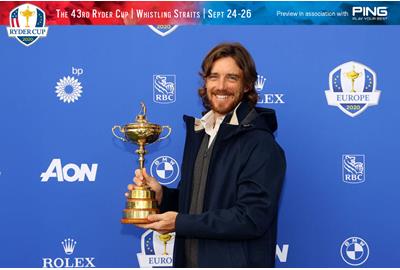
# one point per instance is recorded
(165, 169)
(157, 249)
(352, 88)
(163, 30)
(353, 168)
(27, 23)
(354, 251)
(164, 88)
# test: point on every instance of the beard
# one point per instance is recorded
(223, 101)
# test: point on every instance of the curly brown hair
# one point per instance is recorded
(244, 61)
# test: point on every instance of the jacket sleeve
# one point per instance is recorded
(255, 210)
(169, 199)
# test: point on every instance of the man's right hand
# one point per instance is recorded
(141, 178)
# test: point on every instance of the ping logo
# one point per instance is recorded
(370, 11)
(70, 172)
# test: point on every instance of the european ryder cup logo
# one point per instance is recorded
(157, 249)
(164, 88)
(353, 168)
(352, 88)
(354, 251)
(27, 24)
(165, 169)
(163, 30)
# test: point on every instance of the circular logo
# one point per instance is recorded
(68, 89)
(354, 251)
(165, 169)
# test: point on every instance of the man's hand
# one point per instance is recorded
(141, 178)
(162, 223)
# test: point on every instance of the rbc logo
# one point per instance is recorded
(354, 251)
(70, 172)
(164, 89)
(165, 169)
(353, 168)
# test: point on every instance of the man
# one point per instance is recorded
(224, 211)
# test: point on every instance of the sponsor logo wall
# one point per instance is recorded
(63, 173)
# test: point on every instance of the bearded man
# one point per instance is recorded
(224, 211)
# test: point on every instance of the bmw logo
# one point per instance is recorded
(354, 251)
(165, 169)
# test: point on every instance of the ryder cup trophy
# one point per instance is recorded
(141, 201)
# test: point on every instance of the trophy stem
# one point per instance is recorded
(141, 151)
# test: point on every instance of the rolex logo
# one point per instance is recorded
(68, 245)
(259, 84)
(68, 261)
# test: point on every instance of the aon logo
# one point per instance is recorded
(70, 172)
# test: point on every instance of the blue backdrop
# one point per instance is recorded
(115, 67)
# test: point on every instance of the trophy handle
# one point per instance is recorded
(120, 130)
(166, 136)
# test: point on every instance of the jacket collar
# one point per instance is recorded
(231, 118)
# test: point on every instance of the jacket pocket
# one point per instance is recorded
(238, 254)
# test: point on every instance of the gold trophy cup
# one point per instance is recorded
(141, 201)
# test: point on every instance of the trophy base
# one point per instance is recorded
(137, 216)
(134, 221)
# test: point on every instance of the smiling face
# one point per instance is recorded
(225, 87)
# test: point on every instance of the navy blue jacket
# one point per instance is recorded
(238, 225)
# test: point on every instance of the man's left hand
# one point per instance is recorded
(162, 223)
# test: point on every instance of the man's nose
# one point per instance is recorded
(221, 83)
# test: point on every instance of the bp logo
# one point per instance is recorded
(156, 249)
(27, 24)
(352, 88)
(165, 169)
(68, 89)
(354, 251)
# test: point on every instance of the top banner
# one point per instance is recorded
(203, 13)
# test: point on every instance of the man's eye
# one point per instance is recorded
(212, 77)
(233, 78)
